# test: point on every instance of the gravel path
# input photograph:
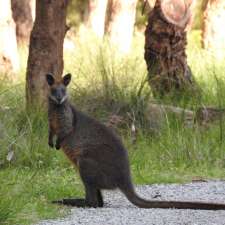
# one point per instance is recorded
(118, 211)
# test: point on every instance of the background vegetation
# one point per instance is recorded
(106, 83)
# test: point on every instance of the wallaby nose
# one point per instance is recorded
(58, 98)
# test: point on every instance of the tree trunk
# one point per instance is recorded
(165, 43)
(120, 23)
(22, 15)
(9, 59)
(213, 35)
(96, 19)
(46, 48)
(33, 7)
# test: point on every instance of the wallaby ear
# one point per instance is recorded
(67, 79)
(50, 79)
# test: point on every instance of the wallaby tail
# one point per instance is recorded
(142, 203)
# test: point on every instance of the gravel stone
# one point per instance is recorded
(119, 211)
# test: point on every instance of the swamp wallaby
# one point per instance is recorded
(97, 152)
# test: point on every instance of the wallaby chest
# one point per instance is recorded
(60, 119)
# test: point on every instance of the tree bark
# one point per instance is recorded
(46, 48)
(22, 15)
(120, 23)
(9, 59)
(165, 43)
(96, 18)
(213, 35)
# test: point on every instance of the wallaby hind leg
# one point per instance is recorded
(89, 176)
(93, 196)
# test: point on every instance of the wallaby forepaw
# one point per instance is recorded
(57, 146)
(50, 144)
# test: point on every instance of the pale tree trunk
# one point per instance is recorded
(120, 23)
(9, 59)
(22, 15)
(46, 49)
(151, 3)
(165, 43)
(96, 18)
(213, 34)
(33, 6)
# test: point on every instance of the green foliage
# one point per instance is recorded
(26, 194)
(106, 83)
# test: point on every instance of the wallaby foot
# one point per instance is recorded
(93, 199)
(77, 202)
(71, 202)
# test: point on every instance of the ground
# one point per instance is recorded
(119, 211)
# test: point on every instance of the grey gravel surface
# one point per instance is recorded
(119, 211)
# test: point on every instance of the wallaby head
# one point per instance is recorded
(57, 91)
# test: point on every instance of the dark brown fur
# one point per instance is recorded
(100, 157)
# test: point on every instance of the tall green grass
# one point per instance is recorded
(106, 83)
